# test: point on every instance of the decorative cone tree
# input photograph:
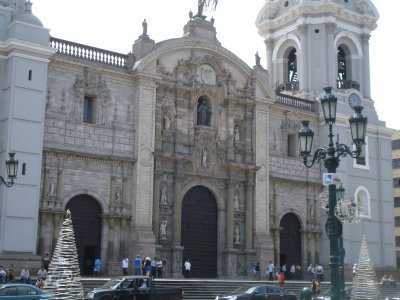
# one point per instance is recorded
(364, 283)
(64, 278)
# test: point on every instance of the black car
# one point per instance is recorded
(259, 292)
(327, 295)
(134, 287)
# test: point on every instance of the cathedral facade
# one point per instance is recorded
(181, 150)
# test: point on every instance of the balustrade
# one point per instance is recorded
(89, 53)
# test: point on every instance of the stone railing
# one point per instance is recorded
(348, 84)
(89, 53)
(295, 101)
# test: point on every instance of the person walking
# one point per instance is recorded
(137, 264)
(97, 267)
(258, 271)
(159, 267)
(271, 269)
(125, 265)
(187, 268)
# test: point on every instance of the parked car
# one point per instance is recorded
(259, 292)
(327, 295)
(21, 291)
(134, 287)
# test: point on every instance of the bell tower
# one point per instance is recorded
(312, 43)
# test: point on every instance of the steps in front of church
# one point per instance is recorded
(208, 289)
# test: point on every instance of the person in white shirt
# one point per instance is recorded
(271, 269)
(125, 265)
(187, 268)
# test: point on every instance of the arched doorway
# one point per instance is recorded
(290, 241)
(86, 219)
(199, 231)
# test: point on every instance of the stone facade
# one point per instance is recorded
(128, 138)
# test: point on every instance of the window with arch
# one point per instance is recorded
(292, 66)
(342, 66)
(345, 78)
(363, 200)
(204, 111)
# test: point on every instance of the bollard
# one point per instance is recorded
(306, 294)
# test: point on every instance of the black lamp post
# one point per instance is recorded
(331, 158)
(12, 168)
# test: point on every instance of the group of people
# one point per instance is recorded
(315, 272)
(144, 266)
(280, 274)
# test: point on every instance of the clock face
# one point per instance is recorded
(354, 100)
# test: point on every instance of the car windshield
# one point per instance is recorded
(112, 283)
(244, 290)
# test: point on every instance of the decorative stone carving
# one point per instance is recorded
(164, 194)
(236, 199)
(52, 188)
(163, 229)
(204, 158)
(237, 134)
(237, 235)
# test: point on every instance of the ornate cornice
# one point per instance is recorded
(88, 157)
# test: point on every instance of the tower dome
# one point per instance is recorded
(27, 16)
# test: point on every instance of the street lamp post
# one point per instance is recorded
(331, 158)
(12, 168)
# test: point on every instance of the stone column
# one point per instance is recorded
(42, 233)
(332, 69)
(270, 47)
(117, 238)
(176, 240)
(249, 213)
(156, 206)
(365, 83)
(230, 214)
(111, 230)
(59, 189)
(302, 57)
(123, 239)
(104, 239)
(177, 261)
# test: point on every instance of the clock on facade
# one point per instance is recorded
(354, 100)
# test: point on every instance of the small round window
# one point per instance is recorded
(286, 4)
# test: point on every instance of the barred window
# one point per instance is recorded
(396, 145)
(396, 182)
(396, 163)
(396, 201)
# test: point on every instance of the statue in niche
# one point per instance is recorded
(167, 121)
(163, 229)
(52, 188)
(236, 200)
(237, 235)
(237, 134)
(164, 196)
(203, 113)
(118, 194)
(204, 158)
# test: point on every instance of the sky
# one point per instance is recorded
(115, 25)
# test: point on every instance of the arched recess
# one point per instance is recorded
(86, 219)
(199, 231)
(290, 241)
(286, 61)
(349, 53)
(363, 202)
